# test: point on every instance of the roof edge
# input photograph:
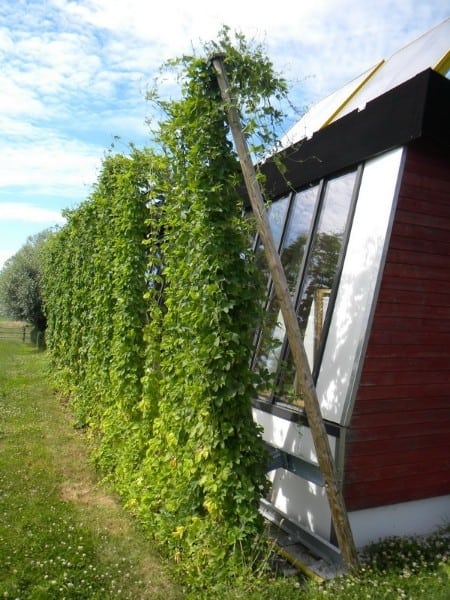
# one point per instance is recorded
(412, 110)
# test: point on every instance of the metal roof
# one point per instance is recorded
(430, 50)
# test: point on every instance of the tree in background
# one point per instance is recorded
(20, 283)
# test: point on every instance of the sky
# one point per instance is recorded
(74, 76)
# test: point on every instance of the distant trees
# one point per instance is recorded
(20, 283)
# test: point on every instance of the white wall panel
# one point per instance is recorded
(418, 517)
(303, 502)
(358, 284)
(288, 436)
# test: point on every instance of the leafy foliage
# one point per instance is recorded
(206, 459)
(20, 283)
(95, 281)
(153, 298)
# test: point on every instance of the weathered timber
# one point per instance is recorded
(304, 381)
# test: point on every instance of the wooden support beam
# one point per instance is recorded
(305, 384)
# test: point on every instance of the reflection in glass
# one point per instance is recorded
(321, 270)
(294, 242)
(276, 214)
(326, 247)
(292, 252)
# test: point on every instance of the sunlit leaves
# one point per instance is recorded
(153, 299)
(212, 306)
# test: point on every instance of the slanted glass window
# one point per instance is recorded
(311, 248)
(321, 270)
(292, 254)
(277, 218)
(297, 232)
(276, 214)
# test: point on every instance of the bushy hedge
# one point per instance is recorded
(152, 299)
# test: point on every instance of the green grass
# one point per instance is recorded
(394, 569)
(63, 536)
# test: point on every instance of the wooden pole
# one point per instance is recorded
(305, 382)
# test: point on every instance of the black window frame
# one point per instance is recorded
(273, 399)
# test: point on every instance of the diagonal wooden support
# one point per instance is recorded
(305, 382)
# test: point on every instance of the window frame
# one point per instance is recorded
(273, 399)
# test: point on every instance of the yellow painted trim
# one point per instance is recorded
(353, 94)
(443, 65)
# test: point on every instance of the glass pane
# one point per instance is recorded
(296, 237)
(277, 216)
(276, 213)
(270, 343)
(321, 268)
(292, 252)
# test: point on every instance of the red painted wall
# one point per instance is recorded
(398, 443)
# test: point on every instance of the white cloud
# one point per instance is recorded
(18, 211)
(50, 164)
(18, 100)
(319, 44)
(73, 74)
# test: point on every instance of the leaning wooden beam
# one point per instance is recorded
(304, 379)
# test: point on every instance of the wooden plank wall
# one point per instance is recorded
(398, 444)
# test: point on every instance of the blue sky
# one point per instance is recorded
(74, 74)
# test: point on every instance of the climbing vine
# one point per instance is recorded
(95, 282)
(153, 297)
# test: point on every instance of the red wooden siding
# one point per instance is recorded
(398, 443)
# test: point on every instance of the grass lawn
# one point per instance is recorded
(61, 535)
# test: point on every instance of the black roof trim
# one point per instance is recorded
(415, 109)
